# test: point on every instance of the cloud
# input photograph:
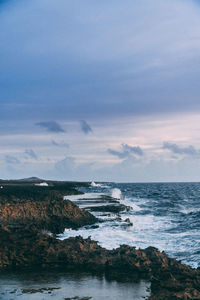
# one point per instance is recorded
(127, 151)
(11, 160)
(65, 167)
(31, 153)
(60, 144)
(106, 68)
(85, 127)
(174, 148)
(51, 126)
(69, 169)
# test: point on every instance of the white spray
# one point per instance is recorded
(117, 194)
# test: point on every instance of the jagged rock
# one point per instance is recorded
(52, 213)
(28, 247)
(108, 208)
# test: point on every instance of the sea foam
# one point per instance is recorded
(116, 193)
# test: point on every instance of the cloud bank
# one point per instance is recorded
(111, 62)
(94, 66)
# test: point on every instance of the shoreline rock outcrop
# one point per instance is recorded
(45, 209)
(25, 248)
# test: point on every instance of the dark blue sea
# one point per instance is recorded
(164, 215)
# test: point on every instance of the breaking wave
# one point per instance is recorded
(163, 215)
(117, 194)
(94, 184)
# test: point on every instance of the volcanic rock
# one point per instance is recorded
(51, 213)
(25, 248)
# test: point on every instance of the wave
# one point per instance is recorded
(85, 196)
(94, 184)
(163, 216)
(117, 194)
(130, 202)
(42, 184)
(187, 211)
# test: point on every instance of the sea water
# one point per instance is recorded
(62, 285)
(164, 215)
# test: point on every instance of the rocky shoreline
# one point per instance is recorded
(43, 207)
(25, 217)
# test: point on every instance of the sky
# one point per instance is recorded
(100, 90)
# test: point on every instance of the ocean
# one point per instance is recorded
(45, 285)
(163, 215)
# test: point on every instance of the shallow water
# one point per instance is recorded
(59, 286)
(164, 215)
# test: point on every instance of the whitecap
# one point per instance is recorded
(117, 194)
(94, 184)
(85, 196)
(42, 184)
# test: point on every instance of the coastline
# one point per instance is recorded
(26, 244)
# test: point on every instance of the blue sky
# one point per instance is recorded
(100, 90)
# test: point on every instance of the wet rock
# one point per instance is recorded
(108, 208)
(95, 226)
(128, 222)
(79, 298)
(40, 290)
